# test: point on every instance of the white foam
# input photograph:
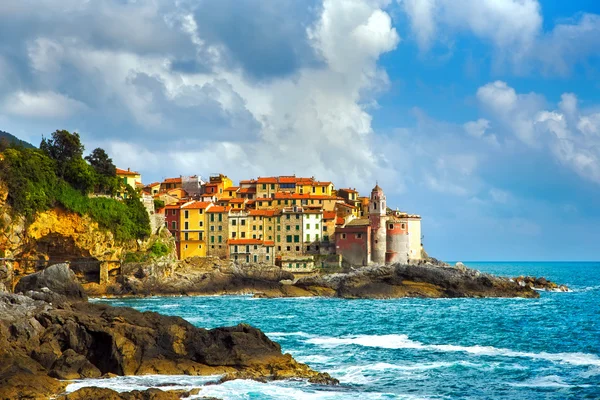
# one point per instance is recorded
(286, 334)
(551, 381)
(246, 389)
(143, 382)
(317, 359)
(403, 342)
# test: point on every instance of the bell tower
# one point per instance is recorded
(377, 219)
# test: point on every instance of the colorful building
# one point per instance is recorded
(193, 224)
(246, 251)
(218, 232)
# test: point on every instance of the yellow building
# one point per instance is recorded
(310, 186)
(193, 223)
(266, 187)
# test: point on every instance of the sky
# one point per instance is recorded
(482, 116)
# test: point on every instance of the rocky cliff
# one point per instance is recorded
(45, 336)
(212, 276)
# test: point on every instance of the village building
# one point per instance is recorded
(218, 231)
(245, 251)
(170, 183)
(193, 229)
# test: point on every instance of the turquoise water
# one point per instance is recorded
(421, 348)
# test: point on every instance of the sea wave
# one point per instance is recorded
(550, 381)
(284, 334)
(143, 382)
(397, 341)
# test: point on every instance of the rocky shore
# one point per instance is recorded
(427, 280)
(50, 333)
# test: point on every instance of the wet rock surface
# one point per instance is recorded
(45, 336)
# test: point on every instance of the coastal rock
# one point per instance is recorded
(44, 336)
(109, 394)
(57, 278)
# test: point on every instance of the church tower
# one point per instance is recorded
(377, 219)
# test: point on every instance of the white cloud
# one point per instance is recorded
(477, 128)
(513, 27)
(41, 105)
(571, 136)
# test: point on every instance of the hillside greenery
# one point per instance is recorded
(6, 140)
(58, 175)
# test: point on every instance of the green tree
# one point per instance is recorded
(102, 163)
(66, 150)
(106, 172)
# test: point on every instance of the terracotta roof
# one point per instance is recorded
(126, 172)
(172, 180)
(264, 199)
(234, 188)
(287, 179)
(235, 201)
(329, 215)
(152, 184)
(197, 205)
(218, 209)
(212, 184)
(348, 190)
(340, 221)
(264, 213)
(250, 202)
(247, 190)
(247, 181)
(345, 205)
(266, 180)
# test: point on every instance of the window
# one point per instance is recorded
(296, 238)
(247, 259)
(186, 246)
(236, 257)
(243, 222)
(220, 227)
(279, 238)
(212, 240)
(314, 189)
(278, 248)
(287, 216)
(243, 235)
(297, 248)
(253, 227)
(220, 217)
(272, 186)
(212, 217)
(173, 225)
(343, 236)
(307, 226)
(172, 212)
(200, 246)
(307, 248)
(326, 238)
(403, 226)
(359, 235)
(212, 228)
(288, 238)
(289, 248)
(297, 227)
(268, 258)
(317, 237)
(233, 235)
(233, 222)
(186, 225)
(324, 228)
(264, 186)
(287, 228)
(186, 214)
(268, 250)
(297, 216)
(278, 228)
(220, 239)
(255, 258)
(185, 236)
(235, 249)
(316, 226)
(307, 237)
(201, 223)
(317, 248)
(270, 228)
(391, 226)
(247, 249)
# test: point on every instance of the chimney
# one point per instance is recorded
(128, 169)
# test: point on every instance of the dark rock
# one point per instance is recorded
(57, 278)
(71, 365)
(109, 394)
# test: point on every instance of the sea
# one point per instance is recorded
(546, 348)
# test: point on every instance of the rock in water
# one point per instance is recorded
(59, 278)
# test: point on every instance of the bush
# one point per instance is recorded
(159, 249)
(33, 186)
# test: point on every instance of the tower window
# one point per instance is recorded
(391, 226)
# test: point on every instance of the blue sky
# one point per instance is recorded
(483, 116)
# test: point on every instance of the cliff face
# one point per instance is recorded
(56, 235)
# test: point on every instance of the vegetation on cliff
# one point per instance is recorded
(58, 175)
